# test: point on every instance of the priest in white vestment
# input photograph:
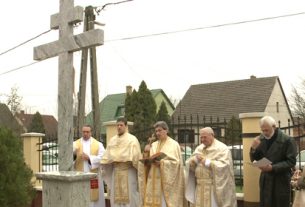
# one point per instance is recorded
(162, 179)
(120, 167)
(209, 173)
(88, 152)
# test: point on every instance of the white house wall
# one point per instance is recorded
(271, 108)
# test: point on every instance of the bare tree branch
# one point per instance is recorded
(14, 100)
(298, 100)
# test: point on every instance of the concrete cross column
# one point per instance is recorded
(66, 188)
(64, 48)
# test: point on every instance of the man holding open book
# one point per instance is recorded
(280, 149)
(164, 184)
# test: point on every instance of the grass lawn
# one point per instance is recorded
(239, 189)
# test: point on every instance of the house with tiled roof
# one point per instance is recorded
(49, 122)
(223, 100)
(113, 105)
(8, 120)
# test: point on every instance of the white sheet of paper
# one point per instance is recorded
(262, 162)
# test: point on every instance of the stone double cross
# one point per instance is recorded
(63, 48)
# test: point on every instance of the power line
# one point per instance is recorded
(162, 33)
(45, 32)
(35, 37)
(18, 68)
(125, 61)
(98, 10)
(206, 27)
(155, 34)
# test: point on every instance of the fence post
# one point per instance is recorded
(250, 129)
(32, 153)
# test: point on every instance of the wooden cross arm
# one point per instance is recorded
(84, 40)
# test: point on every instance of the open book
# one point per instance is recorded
(155, 157)
(261, 163)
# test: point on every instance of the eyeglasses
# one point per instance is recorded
(86, 131)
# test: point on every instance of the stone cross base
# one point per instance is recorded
(65, 189)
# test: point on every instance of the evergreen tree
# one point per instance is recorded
(16, 189)
(162, 114)
(136, 110)
(140, 108)
(147, 112)
(233, 131)
(129, 105)
(37, 124)
(147, 104)
(132, 107)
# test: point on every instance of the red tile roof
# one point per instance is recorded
(49, 122)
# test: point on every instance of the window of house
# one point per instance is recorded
(120, 111)
(277, 107)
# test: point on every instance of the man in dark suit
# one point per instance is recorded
(275, 178)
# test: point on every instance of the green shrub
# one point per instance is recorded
(16, 189)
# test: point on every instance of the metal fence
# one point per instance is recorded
(49, 149)
(296, 130)
(49, 156)
(185, 129)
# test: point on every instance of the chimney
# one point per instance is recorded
(128, 90)
(252, 77)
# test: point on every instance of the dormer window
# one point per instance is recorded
(120, 111)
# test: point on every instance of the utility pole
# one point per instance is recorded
(89, 25)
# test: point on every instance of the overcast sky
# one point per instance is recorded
(173, 62)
